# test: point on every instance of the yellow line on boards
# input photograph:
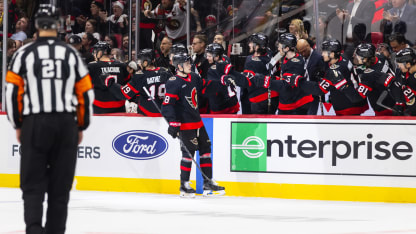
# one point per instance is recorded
(244, 189)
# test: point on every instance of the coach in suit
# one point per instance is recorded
(313, 62)
(402, 11)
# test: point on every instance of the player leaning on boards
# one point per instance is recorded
(180, 108)
(49, 102)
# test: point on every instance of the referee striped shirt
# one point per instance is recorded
(48, 76)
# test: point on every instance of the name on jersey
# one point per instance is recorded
(153, 79)
(110, 70)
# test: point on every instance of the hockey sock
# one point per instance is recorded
(186, 165)
(205, 163)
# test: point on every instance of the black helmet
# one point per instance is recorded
(46, 17)
(178, 49)
(366, 50)
(215, 49)
(332, 45)
(406, 55)
(74, 39)
(102, 46)
(146, 55)
(288, 39)
(180, 59)
(259, 39)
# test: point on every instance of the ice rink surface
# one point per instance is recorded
(137, 213)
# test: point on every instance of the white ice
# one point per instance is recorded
(134, 213)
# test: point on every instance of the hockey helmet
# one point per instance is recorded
(180, 58)
(178, 49)
(332, 45)
(46, 17)
(146, 55)
(288, 39)
(406, 55)
(102, 46)
(259, 39)
(366, 50)
(215, 49)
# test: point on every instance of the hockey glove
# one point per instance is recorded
(174, 128)
(227, 80)
(223, 68)
(337, 79)
(110, 80)
(262, 81)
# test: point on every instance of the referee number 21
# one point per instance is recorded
(51, 68)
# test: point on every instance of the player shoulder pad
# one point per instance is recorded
(163, 69)
(255, 58)
(93, 62)
(334, 66)
(139, 72)
(368, 70)
(172, 78)
(295, 60)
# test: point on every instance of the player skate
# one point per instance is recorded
(211, 188)
(186, 190)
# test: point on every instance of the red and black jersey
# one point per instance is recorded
(222, 99)
(292, 97)
(342, 102)
(180, 105)
(104, 101)
(409, 88)
(151, 80)
(257, 65)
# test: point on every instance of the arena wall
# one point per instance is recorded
(322, 158)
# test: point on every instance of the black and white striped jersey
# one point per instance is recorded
(48, 76)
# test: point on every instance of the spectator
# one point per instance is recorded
(297, 28)
(20, 35)
(401, 11)
(88, 41)
(356, 12)
(111, 40)
(76, 42)
(11, 48)
(147, 25)
(163, 60)
(118, 21)
(397, 42)
(125, 45)
(116, 54)
(219, 38)
(175, 13)
(99, 14)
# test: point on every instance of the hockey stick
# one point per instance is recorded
(269, 67)
(180, 139)
(381, 98)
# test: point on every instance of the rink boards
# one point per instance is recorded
(322, 158)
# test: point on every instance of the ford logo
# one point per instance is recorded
(140, 145)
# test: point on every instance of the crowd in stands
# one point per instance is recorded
(389, 25)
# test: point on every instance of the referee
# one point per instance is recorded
(48, 101)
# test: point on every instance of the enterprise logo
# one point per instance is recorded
(251, 143)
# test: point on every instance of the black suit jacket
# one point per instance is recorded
(315, 62)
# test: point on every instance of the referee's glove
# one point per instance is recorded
(174, 128)
(110, 80)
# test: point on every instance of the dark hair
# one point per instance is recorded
(113, 40)
(91, 38)
(93, 22)
(397, 37)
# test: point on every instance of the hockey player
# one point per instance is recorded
(374, 77)
(150, 78)
(406, 62)
(180, 108)
(337, 77)
(104, 101)
(262, 100)
(221, 99)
